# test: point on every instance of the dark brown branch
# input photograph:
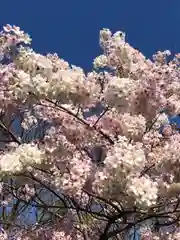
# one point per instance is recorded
(104, 135)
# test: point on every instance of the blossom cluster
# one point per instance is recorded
(126, 155)
(22, 157)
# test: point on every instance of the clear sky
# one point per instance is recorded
(71, 27)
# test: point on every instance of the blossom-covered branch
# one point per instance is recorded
(107, 173)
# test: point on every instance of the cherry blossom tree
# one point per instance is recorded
(91, 176)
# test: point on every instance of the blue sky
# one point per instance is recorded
(71, 27)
